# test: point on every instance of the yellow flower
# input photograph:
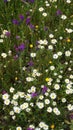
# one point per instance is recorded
(52, 126)
(16, 78)
(18, 129)
(31, 45)
(36, 26)
(47, 79)
(68, 40)
(50, 62)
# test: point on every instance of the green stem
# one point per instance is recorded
(71, 126)
(20, 66)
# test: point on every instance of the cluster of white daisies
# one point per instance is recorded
(46, 84)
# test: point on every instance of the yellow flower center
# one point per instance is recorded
(47, 79)
(36, 26)
(16, 78)
(31, 45)
(50, 62)
(19, 129)
(68, 40)
(52, 126)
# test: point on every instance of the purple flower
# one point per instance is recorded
(44, 89)
(3, 92)
(30, 128)
(16, 57)
(71, 116)
(21, 47)
(30, 63)
(37, 43)
(58, 12)
(5, 1)
(28, 13)
(33, 94)
(28, 20)
(21, 17)
(31, 1)
(31, 26)
(7, 34)
(16, 48)
(17, 37)
(15, 21)
(45, 28)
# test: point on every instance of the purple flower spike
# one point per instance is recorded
(58, 12)
(44, 89)
(21, 17)
(33, 94)
(15, 21)
(21, 47)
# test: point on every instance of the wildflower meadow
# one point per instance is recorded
(36, 64)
